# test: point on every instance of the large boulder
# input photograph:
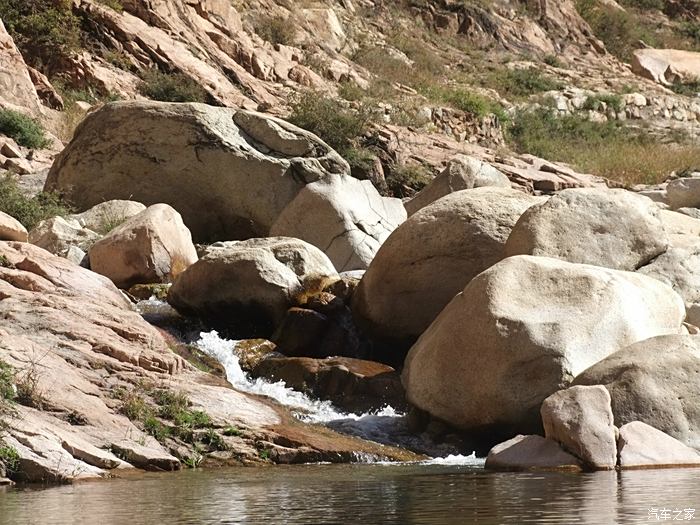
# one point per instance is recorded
(613, 228)
(431, 257)
(11, 229)
(228, 172)
(151, 247)
(680, 268)
(64, 237)
(462, 173)
(343, 216)
(643, 446)
(254, 281)
(666, 66)
(656, 381)
(684, 192)
(524, 329)
(580, 418)
(105, 216)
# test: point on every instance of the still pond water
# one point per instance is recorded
(368, 494)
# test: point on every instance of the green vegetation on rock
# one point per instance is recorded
(29, 210)
(171, 87)
(24, 130)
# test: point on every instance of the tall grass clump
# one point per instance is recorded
(24, 130)
(29, 210)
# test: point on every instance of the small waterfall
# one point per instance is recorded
(384, 426)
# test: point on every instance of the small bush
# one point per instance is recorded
(276, 30)
(599, 101)
(29, 210)
(405, 181)
(9, 458)
(45, 31)
(553, 60)
(113, 4)
(7, 382)
(689, 89)
(330, 120)
(24, 130)
(468, 101)
(520, 83)
(171, 87)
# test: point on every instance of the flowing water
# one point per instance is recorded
(368, 494)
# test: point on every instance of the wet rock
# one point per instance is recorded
(613, 228)
(152, 247)
(353, 385)
(643, 446)
(11, 229)
(581, 420)
(655, 381)
(231, 184)
(522, 330)
(258, 279)
(343, 216)
(462, 173)
(531, 453)
(430, 258)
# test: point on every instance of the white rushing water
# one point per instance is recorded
(384, 426)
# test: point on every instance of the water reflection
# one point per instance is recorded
(358, 494)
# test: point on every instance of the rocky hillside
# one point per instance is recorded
(484, 213)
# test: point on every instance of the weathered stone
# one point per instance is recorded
(580, 418)
(259, 279)
(152, 247)
(461, 173)
(531, 453)
(684, 192)
(656, 381)
(682, 230)
(16, 87)
(613, 228)
(522, 330)
(11, 229)
(224, 181)
(431, 257)
(680, 268)
(57, 235)
(666, 66)
(106, 216)
(643, 446)
(344, 217)
(351, 384)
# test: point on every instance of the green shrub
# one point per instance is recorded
(7, 381)
(467, 101)
(24, 130)
(619, 30)
(689, 89)
(45, 31)
(553, 60)
(276, 30)
(405, 181)
(29, 210)
(326, 117)
(520, 83)
(171, 87)
(113, 4)
(9, 457)
(598, 101)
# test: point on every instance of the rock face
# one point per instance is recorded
(655, 381)
(461, 173)
(666, 66)
(531, 453)
(344, 217)
(228, 173)
(643, 446)
(257, 278)
(613, 228)
(11, 229)
(16, 87)
(580, 418)
(353, 385)
(431, 257)
(680, 268)
(522, 330)
(151, 247)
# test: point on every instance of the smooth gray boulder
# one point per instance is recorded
(524, 329)
(531, 453)
(462, 173)
(616, 229)
(656, 381)
(431, 257)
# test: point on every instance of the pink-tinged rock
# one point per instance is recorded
(643, 446)
(11, 229)
(531, 453)
(581, 419)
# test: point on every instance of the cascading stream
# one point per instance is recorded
(384, 426)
